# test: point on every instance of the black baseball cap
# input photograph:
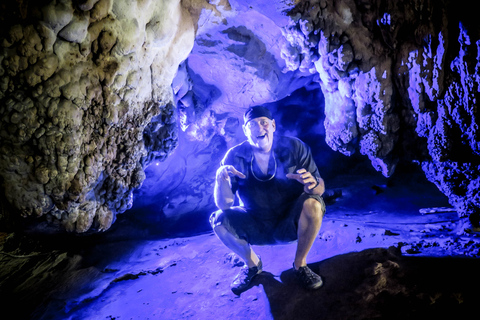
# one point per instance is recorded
(256, 112)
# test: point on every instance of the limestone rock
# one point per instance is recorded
(400, 82)
(81, 81)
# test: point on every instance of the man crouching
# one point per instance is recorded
(279, 191)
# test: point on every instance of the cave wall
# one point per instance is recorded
(93, 92)
(400, 80)
(81, 83)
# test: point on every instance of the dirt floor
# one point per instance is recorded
(387, 250)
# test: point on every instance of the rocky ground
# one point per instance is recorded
(388, 249)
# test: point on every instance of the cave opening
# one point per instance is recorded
(169, 203)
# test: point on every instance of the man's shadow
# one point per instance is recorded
(376, 284)
(289, 301)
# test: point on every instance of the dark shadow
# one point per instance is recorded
(378, 284)
(49, 261)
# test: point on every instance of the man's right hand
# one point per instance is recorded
(224, 198)
(225, 172)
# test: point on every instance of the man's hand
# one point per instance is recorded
(304, 177)
(225, 172)
(223, 194)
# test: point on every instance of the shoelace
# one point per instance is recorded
(307, 275)
(247, 271)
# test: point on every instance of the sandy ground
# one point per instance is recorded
(380, 258)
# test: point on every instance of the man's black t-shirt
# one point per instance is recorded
(271, 196)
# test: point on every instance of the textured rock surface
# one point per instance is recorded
(86, 97)
(401, 82)
(80, 83)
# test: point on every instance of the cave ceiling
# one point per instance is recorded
(94, 93)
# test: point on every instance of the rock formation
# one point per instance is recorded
(91, 92)
(85, 102)
(401, 82)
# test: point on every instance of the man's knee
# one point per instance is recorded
(216, 219)
(313, 209)
(221, 225)
(220, 222)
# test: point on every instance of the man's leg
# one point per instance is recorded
(308, 227)
(239, 246)
(242, 248)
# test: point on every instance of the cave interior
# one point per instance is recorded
(115, 115)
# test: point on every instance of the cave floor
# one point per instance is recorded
(379, 256)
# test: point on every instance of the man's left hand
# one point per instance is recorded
(304, 177)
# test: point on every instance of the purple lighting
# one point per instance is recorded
(116, 115)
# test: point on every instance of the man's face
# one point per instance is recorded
(259, 132)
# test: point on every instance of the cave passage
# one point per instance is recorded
(115, 114)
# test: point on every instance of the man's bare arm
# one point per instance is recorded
(310, 183)
(319, 188)
(223, 194)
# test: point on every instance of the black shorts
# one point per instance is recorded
(244, 224)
